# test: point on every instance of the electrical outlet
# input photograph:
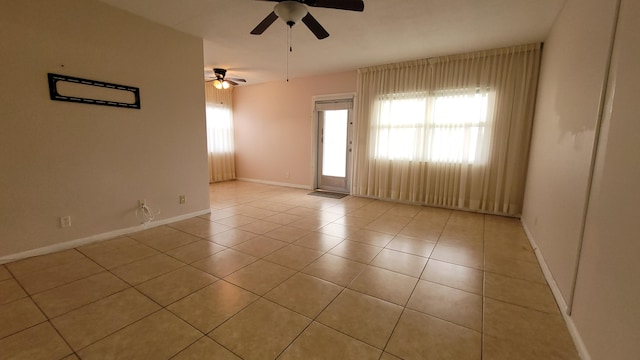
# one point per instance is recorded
(182, 199)
(142, 203)
(65, 221)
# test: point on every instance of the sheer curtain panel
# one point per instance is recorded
(451, 131)
(220, 133)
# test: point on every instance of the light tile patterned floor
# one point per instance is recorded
(275, 273)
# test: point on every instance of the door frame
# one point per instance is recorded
(314, 134)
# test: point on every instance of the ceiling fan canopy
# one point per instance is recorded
(292, 11)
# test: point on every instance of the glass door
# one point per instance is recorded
(334, 145)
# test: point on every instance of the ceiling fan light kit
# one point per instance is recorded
(291, 12)
(220, 84)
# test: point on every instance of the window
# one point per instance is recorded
(446, 127)
(219, 129)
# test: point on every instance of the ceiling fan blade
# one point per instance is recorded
(315, 26)
(231, 82)
(353, 5)
(264, 24)
(237, 80)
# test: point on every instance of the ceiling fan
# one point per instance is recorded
(292, 12)
(220, 81)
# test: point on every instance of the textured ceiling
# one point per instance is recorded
(387, 31)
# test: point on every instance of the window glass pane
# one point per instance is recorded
(334, 146)
(456, 123)
(440, 128)
(219, 129)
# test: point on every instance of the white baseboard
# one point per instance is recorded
(276, 183)
(98, 237)
(571, 326)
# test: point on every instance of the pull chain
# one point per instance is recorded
(290, 49)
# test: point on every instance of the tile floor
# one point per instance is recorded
(275, 273)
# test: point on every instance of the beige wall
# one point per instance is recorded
(94, 162)
(571, 83)
(605, 316)
(607, 302)
(276, 123)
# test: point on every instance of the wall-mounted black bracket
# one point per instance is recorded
(54, 79)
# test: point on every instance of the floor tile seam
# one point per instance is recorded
(124, 327)
(396, 271)
(286, 266)
(66, 283)
(31, 273)
(26, 293)
(446, 320)
(198, 259)
(442, 229)
(494, 272)
(343, 286)
(16, 299)
(294, 339)
(154, 276)
(15, 275)
(484, 309)
(227, 246)
(132, 261)
(255, 293)
(42, 321)
(555, 313)
(408, 253)
(316, 249)
(300, 246)
(176, 247)
(366, 243)
(256, 233)
(404, 307)
(220, 324)
(73, 351)
(453, 287)
(85, 304)
(253, 219)
(297, 312)
(404, 252)
(185, 348)
(187, 233)
(260, 257)
(54, 329)
(453, 263)
(390, 270)
(209, 333)
(182, 297)
(208, 336)
(238, 269)
(532, 262)
(346, 258)
(350, 336)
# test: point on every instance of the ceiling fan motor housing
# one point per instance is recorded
(290, 11)
(220, 73)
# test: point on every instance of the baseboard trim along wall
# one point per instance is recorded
(98, 237)
(575, 334)
(276, 183)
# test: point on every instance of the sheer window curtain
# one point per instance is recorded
(220, 143)
(451, 131)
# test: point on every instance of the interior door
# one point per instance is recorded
(334, 145)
